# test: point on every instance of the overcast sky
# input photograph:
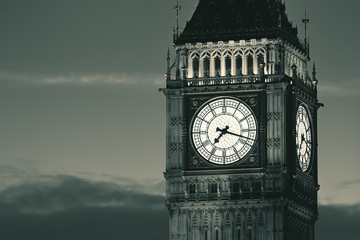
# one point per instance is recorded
(82, 138)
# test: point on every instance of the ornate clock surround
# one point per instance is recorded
(256, 158)
(302, 98)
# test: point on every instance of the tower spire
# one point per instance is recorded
(177, 8)
(306, 20)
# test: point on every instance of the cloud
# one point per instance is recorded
(79, 79)
(338, 222)
(341, 89)
(91, 223)
(69, 207)
(349, 183)
(61, 193)
(17, 173)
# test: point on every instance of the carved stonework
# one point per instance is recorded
(176, 121)
(173, 147)
(195, 222)
(181, 121)
(249, 218)
(274, 143)
(227, 220)
(238, 219)
(173, 122)
(260, 195)
(274, 116)
(216, 219)
(261, 218)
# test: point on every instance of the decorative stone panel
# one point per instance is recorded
(274, 143)
(274, 116)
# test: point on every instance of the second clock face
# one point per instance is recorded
(303, 138)
(224, 130)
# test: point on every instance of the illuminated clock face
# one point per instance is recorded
(303, 138)
(224, 130)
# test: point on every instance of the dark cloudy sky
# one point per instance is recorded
(82, 138)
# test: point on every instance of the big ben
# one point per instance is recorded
(241, 121)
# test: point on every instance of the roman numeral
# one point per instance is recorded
(207, 142)
(244, 118)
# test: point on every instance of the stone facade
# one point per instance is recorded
(266, 195)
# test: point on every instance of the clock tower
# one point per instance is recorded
(241, 126)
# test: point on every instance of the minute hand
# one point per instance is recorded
(238, 135)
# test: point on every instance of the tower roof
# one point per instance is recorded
(224, 20)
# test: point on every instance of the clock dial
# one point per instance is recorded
(224, 130)
(303, 138)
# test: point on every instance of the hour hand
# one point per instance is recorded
(302, 138)
(218, 138)
(223, 131)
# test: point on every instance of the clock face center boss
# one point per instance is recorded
(223, 130)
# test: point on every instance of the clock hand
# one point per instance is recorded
(223, 131)
(217, 139)
(302, 140)
(238, 135)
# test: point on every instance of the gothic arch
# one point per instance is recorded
(205, 54)
(238, 52)
(227, 53)
(194, 54)
(249, 51)
(216, 53)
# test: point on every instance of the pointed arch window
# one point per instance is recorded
(213, 188)
(217, 234)
(238, 234)
(257, 189)
(192, 188)
(260, 60)
(195, 66)
(228, 65)
(239, 65)
(206, 66)
(250, 64)
(235, 190)
(217, 66)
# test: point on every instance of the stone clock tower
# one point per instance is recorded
(241, 120)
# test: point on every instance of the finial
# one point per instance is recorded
(315, 81)
(306, 20)
(168, 71)
(314, 69)
(177, 8)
